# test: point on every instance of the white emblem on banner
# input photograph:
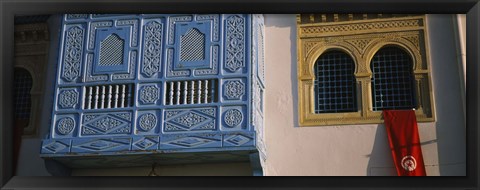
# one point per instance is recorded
(409, 163)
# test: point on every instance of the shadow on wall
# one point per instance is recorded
(287, 21)
(380, 162)
(450, 125)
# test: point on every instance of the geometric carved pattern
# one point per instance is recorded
(77, 16)
(190, 120)
(147, 122)
(234, 89)
(214, 18)
(237, 140)
(55, 146)
(233, 117)
(102, 144)
(65, 125)
(106, 123)
(145, 143)
(360, 26)
(73, 53)
(149, 94)
(190, 142)
(68, 98)
(192, 46)
(171, 25)
(214, 69)
(170, 62)
(152, 50)
(235, 43)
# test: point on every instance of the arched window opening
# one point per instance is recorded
(392, 82)
(22, 85)
(335, 90)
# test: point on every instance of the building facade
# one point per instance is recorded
(301, 134)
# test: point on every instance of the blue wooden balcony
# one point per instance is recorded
(132, 90)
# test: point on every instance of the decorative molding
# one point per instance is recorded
(234, 89)
(93, 27)
(68, 98)
(170, 71)
(214, 69)
(147, 122)
(233, 118)
(76, 16)
(235, 43)
(171, 26)
(190, 120)
(357, 27)
(133, 24)
(214, 19)
(361, 40)
(106, 123)
(131, 72)
(152, 48)
(65, 125)
(73, 53)
(149, 94)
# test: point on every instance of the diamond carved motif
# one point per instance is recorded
(190, 119)
(55, 146)
(145, 143)
(118, 123)
(190, 142)
(238, 140)
(101, 145)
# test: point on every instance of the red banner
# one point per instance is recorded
(404, 142)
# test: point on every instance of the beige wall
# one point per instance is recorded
(357, 149)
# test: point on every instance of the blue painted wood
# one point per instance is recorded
(121, 108)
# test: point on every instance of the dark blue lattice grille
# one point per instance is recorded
(23, 85)
(335, 83)
(111, 51)
(392, 83)
(192, 46)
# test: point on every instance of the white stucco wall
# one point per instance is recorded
(357, 149)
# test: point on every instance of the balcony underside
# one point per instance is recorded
(147, 158)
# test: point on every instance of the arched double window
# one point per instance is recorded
(334, 84)
(393, 81)
(385, 67)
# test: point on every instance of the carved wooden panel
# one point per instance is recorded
(129, 83)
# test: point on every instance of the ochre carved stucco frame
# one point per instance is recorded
(361, 39)
(31, 53)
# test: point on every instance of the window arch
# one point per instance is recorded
(23, 85)
(392, 79)
(334, 84)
